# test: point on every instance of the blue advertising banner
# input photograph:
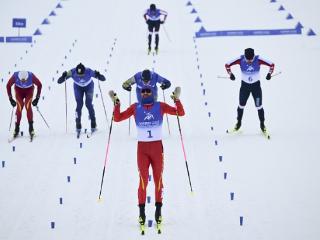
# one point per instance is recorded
(27, 39)
(19, 22)
(1, 39)
(239, 33)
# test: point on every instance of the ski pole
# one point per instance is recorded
(107, 150)
(184, 152)
(11, 118)
(104, 107)
(164, 29)
(276, 74)
(106, 158)
(65, 94)
(164, 99)
(225, 77)
(42, 117)
(129, 117)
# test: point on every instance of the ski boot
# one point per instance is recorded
(16, 130)
(142, 218)
(156, 49)
(93, 125)
(157, 216)
(264, 130)
(235, 129)
(263, 127)
(149, 50)
(237, 126)
(31, 130)
(78, 129)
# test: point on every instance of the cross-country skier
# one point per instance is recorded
(83, 85)
(24, 82)
(152, 17)
(148, 116)
(250, 68)
(146, 78)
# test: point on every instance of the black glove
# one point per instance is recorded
(64, 74)
(63, 77)
(99, 76)
(127, 87)
(35, 101)
(13, 102)
(161, 22)
(268, 77)
(164, 86)
(232, 77)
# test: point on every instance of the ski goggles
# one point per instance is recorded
(146, 91)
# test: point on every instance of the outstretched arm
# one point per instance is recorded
(165, 83)
(269, 64)
(99, 76)
(65, 75)
(37, 82)
(127, 84)
(9, 85)
(165, 14)
(228, 67)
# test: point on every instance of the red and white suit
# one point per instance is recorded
(148, 119)
(24, 93)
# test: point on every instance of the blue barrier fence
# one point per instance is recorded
(239, 33)
(25, 39)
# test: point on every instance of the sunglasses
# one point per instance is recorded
(147, 90)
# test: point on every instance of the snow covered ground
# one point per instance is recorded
(275, 182)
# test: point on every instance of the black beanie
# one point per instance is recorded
(249, 53)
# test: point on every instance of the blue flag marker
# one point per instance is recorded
(289, 17)
(52, 13)
(37, 32)
(197, 20)
(149, 223)
(241, 220)
(311, 33)
(45, 21)
(299, 25)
